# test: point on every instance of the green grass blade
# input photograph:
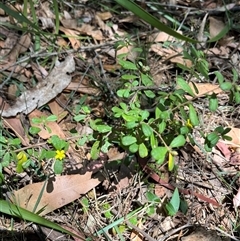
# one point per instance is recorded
(141, 13)
(13, 210)
(57, 22)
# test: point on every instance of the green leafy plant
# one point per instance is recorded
(153, 121)
(173, 206)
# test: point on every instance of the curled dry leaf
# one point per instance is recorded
(48, 89)
(57, 192)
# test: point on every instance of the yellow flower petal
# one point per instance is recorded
(60, 154)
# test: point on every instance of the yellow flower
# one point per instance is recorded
(60, 154)
(22, 157)
(189, 124)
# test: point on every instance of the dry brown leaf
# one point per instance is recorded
(21, 47)
(56, 109)
(82, 88)
(59, 191)
(90, 30)
(160, 37)
(215, 26)
(236, 199)
(16, 126)
(69, 23)
(173, 56)
(72, 36)
(106, 29)
(57, 80)
(44, 133)
(39, 71)
(104, 15)
(205, 88)
(234, 133)
(135, 235)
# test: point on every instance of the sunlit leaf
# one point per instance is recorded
(147, 130)
(128, 140)
(213, 102)
(193, 116)
(184, 85)
(159, 154)
(143, 151)
(178, 141)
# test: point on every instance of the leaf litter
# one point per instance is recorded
(59, 79)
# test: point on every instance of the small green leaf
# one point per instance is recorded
(6, 159)
(226, 86)
(153, 141)
(193, 116)
(213, 102)
(103, 128)
(159, 154)
(178, 141)
(33, 130)
(213, 138)
(127, 64)
(131, 124)
(95, 150)
(170, 209)
(143, 151)
(162, 127)
(219, 76)
(147, 130)
(133, 148)
(51, 118)
(184, 85)
(106, 146)
(82, 141)
(151, 197)
(237, 97)
(149, 94)
(58, 167)
(145, 114)
(128, 140)
(129, 77)
(37, 120)
(174, 204)
(123, 106)
(79, 117)
(170, 161)
(130, 118)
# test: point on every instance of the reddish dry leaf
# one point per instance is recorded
(224, 149)
(59, 191)
(44, 133)
(235, 159)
